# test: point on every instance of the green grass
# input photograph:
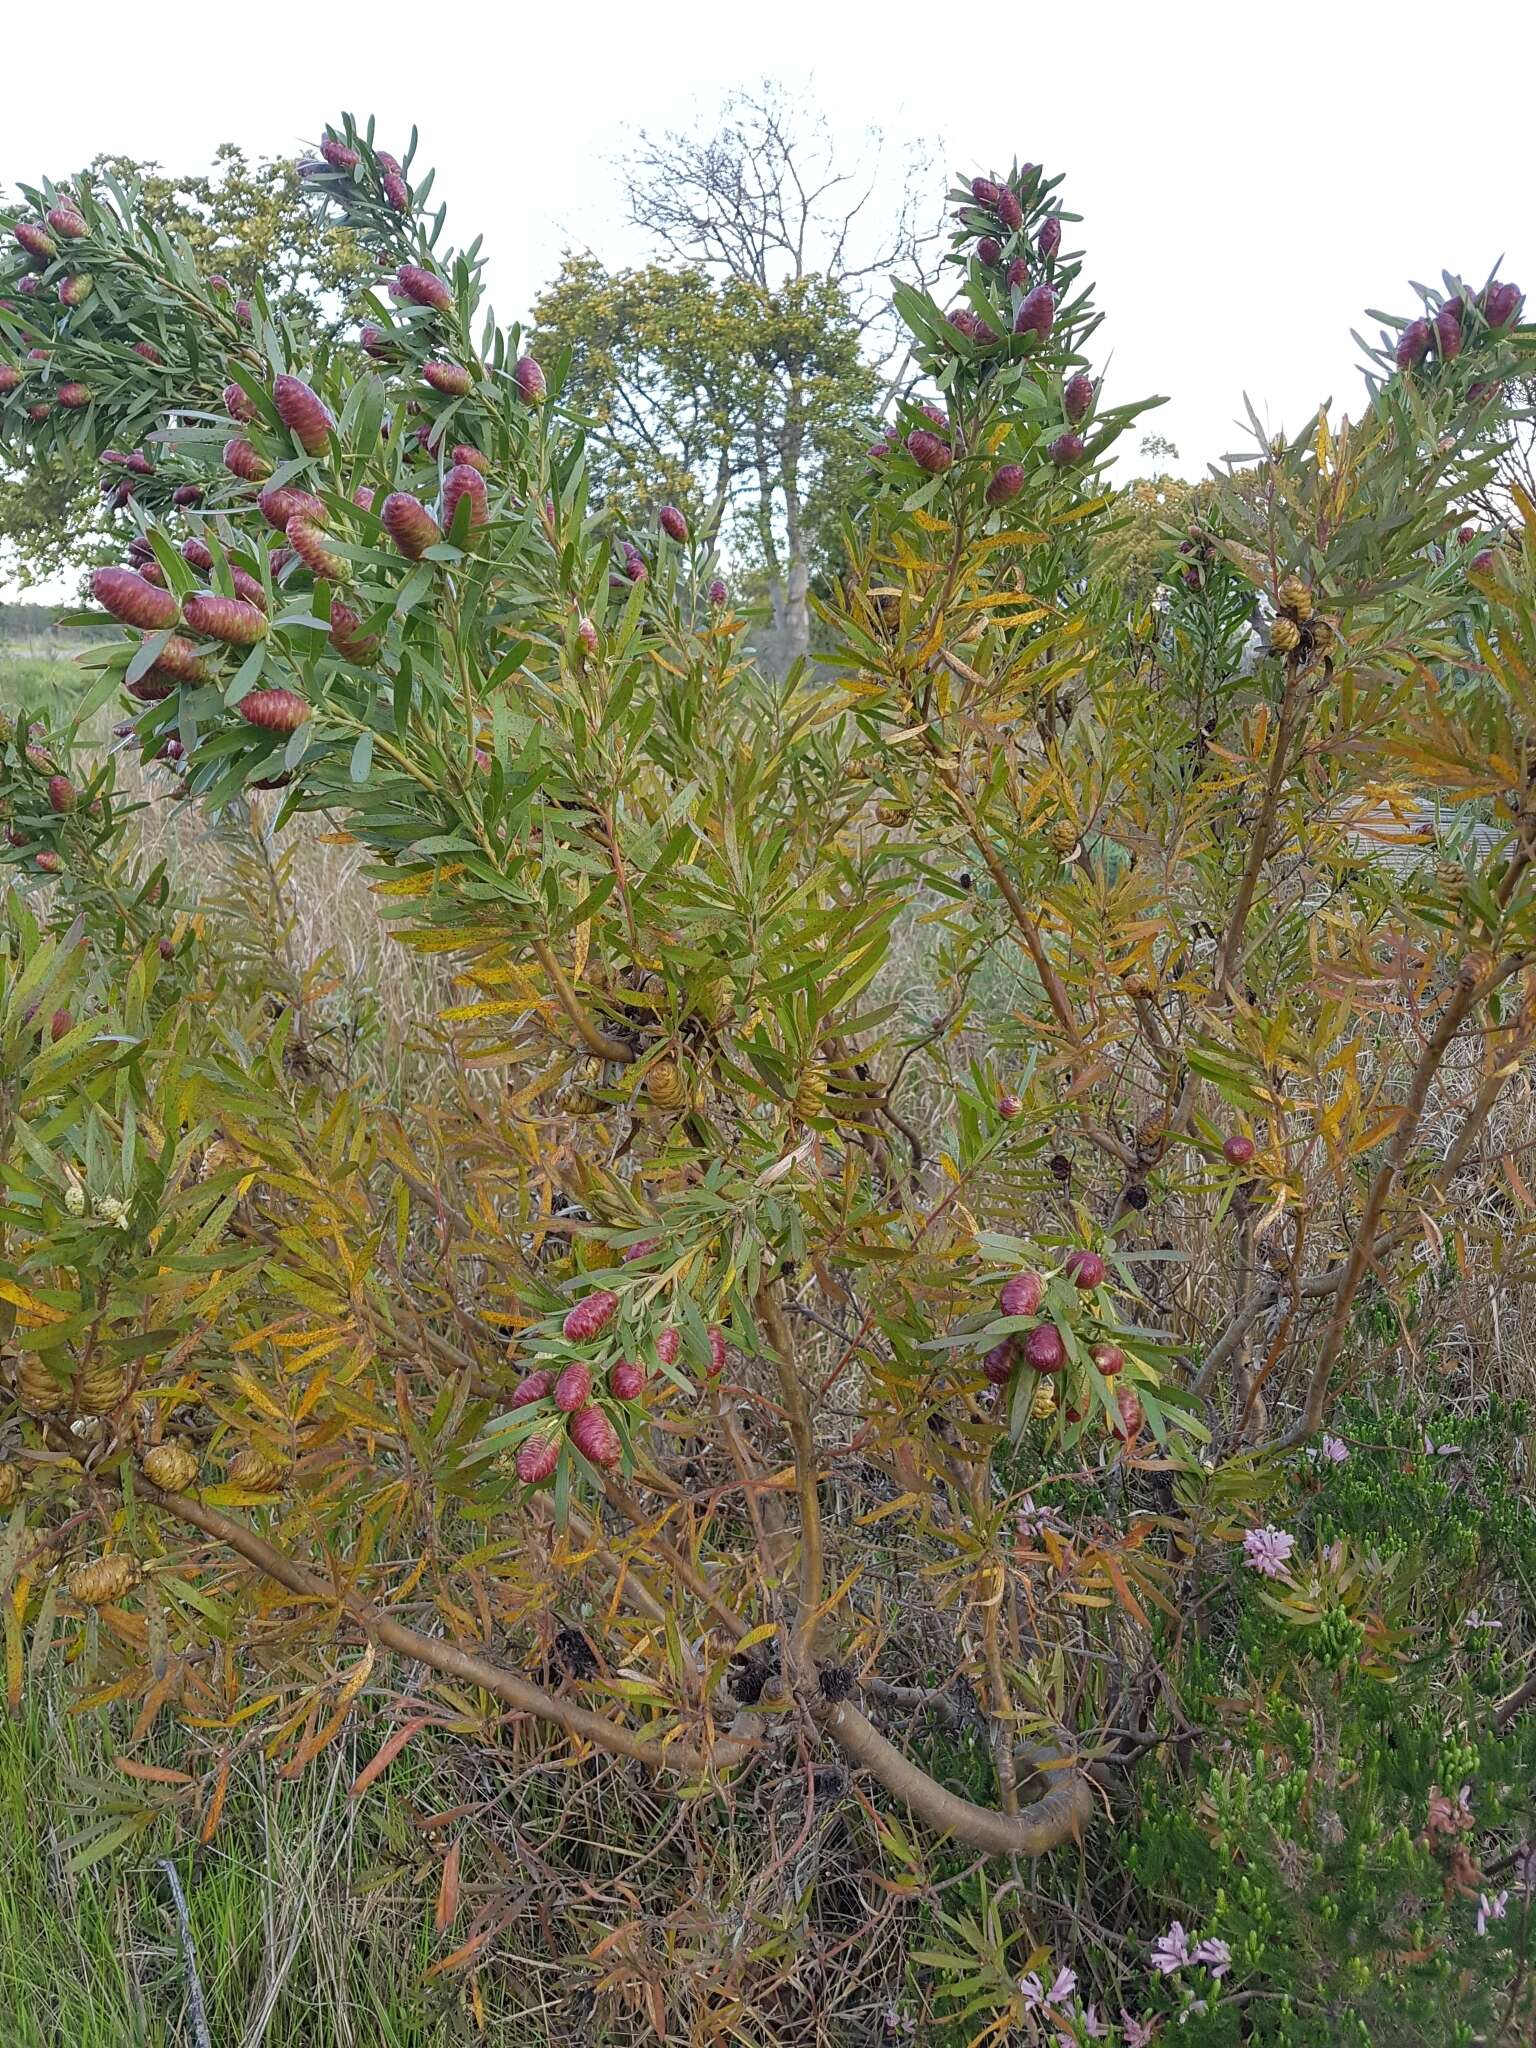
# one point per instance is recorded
(41, 685)
(311, 1915)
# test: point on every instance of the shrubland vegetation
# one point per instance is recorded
(911, 1427)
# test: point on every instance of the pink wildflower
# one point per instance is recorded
(1170, 1951)
(1334, 1450)
(1268, 1550)
(1216, 1956)
(1138, 2033)
(1093, 2027)
(1033, 1521)
(1490, 1909)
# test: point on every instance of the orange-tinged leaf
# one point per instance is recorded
(386, 1753)
(448, 1889)
(150, 1774)
(216, 1802)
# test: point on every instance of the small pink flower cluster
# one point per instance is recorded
(1268, 1550)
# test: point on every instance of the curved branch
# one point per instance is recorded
(448, 1658)
(1060, 1815)
(797, 1415)
(592, 1038)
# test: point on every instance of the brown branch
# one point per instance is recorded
(797, 1416)
(448, 1658)
(1034, 945)
(1258, 851)
(1467, 993)
(1062, 1814)
(592, 1038)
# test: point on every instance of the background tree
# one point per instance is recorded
(797, 245)
(748, 405)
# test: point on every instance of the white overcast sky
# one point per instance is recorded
(1250, 177)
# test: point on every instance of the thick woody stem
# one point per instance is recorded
(1258, 851)
(448, 1658)
(1468, 992)
(592, 1038)
(797, 1416)
(1064, 1811)
(997, 1679)
(1061, 1815)
(1034, 945)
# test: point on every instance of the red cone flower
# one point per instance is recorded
(239, 404)
(280, 711)
(627, 1380)
(74, 397)
(409, 525)
(36, 240)
(1037, 312)
(573, 1386)
(303, 414)
(596, 1438)
(1109, 1358)
(74, 291)
(450, 378)
(1077, 397)
(307, 539)
(66, 221)
(1009, 211)
(529, 379)
(465, 481)
(1021, 1295)
(1084, 1269)
(338, 155)
(989, 250)
(533, 1386)
(1048, 241)
(1501, 304)
(246, 462)
(1006, 483)
(673, 524)
(198, 553)
(423, 288)
(61, 795)
(178, 662)
(1413, 344)
(928, 451)
(1238, 1150)
(716, 1351)
(984, 192)
(537, 1457)
(668, 1344)
(346, 634)
(1043, 1348)
(590, 1317)
(229, 619)
(1447, 330)
(1065, 450)
(125, 594)
(999, 1362)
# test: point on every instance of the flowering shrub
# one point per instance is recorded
(1056, 1283)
